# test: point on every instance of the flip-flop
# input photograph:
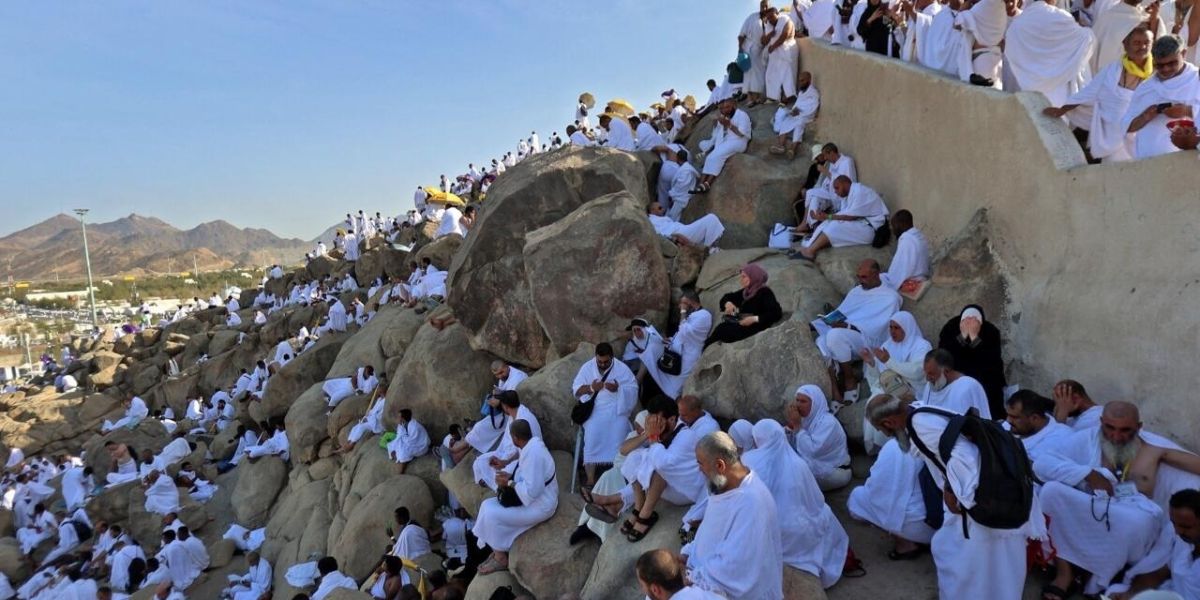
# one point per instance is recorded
(597, 512)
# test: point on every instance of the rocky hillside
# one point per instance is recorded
(137, 244)
(560, 259)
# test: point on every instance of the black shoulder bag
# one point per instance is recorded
(582, 411)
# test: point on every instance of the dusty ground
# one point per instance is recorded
(902, 580)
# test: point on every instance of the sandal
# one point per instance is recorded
(700, 189)
(491, 565)
(636, 536)
(627, 526)
(597, 512)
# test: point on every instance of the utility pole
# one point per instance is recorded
(87, 259)
(195, 270)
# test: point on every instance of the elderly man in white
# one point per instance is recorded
(738, 550)
(818, 438)
(534, 485)
(613, 391)
(730, 136)
(1128, 475)
(891, 500)
(813, 539)
(859, 322)
(948, 389)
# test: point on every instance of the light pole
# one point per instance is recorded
(87, 260)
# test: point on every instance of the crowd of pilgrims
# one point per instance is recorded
(1115, 509)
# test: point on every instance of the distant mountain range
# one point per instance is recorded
(137, 245)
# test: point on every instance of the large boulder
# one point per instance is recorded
(440, 251)
(612, 569)
(365, 535)
(223, 340)
(548, 394)
(12, 563)
(298, 529)
(306, 425)
(364, 347)
(487, 284)
(259, 482)
(298, 375)
(149, 434)
(440, 378)
(596, 269)
(754, 191)
(400, 332)
(543, 560)
(753, 378)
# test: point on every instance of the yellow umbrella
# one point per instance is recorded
(620, 107)
(689, 102)
(588, 99)
(437, 196)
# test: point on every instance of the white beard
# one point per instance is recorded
(940, 384)
(716, 484)
(1119, 455)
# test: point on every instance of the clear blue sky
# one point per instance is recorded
(288, 114)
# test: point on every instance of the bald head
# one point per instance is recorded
(868, 274)
(660, 568)
(1119, 409)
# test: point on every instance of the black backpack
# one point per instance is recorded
(82, 530)
(1005, 493)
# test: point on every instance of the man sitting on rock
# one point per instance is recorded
(162, 496)
(536, 498)
(411, 441)
(1129, 473)
(861, 320)
(911, 260)
(818, 437)
(666, 469)
(703, 232)
(507, 452)
(828, 165)
(730, 136)
(331, 578)
(135, 411)
(737, 551)
(371, 422)
(42, 526)
(661, 576)
(412, 542)
(678, 193)
(486, 433)
(793, 115)
(859, 213)
(337, 389)
(276, 445)
(254, 584)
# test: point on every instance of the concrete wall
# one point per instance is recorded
(1102, 261)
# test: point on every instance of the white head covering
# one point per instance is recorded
(914, 346)
(971, 313)
(783, 471)
(742, 432)
(820, 404)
